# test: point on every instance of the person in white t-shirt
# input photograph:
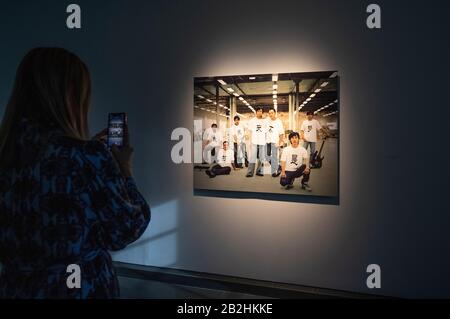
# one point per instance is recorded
(295, 164)
(309, 129)
(274, 139)
(237, 134)
(213, 139)
(257, 127)
(225, 161)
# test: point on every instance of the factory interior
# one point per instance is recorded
(219, 99)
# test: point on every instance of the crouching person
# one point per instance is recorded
(295, 164)
(225, 161)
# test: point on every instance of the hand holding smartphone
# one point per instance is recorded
(118, 141)
(117, 124)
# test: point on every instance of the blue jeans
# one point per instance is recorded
(312, 146)
(210, 153)
(257, 154)
(292, 175)
(273, 158)
(239, 153)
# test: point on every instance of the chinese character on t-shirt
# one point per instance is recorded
(294, 159)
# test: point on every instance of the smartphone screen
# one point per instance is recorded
(116, 127)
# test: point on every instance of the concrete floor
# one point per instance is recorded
(324, 181)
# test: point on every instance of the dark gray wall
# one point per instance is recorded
(393, 209)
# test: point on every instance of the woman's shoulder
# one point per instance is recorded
(82, 153)
(85, 147)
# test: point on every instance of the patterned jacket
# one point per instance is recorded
(65, 202)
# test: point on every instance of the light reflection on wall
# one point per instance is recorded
(158, 245)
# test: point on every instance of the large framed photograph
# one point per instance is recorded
(267, 135)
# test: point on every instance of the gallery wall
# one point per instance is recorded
(392, 210)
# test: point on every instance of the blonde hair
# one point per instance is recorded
(52, 85)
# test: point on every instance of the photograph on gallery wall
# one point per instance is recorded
(260, 134)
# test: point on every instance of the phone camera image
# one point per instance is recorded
(116, 126)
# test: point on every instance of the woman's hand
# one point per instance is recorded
(102, 136)
(123, 155)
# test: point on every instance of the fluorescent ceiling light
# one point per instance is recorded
(222, 82)
(208, 100)
(274, 96)
(235, 94)
(201, 96)
(241, 98)
(230, 90)
(252, 77)
(312, 95)
(333, 75)
(274, 92)
(275, 86)
(324, 84)
(336, 101)
(308, 99)
(275, 77)
(317, 90)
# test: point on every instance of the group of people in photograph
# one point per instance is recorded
(288, 160)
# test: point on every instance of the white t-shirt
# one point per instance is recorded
(258, 127)
(215, 138)
(293, 157)
(225, 158)
(237, 130)
(310, 129)
(274, 130)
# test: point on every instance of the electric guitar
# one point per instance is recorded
(317, 158)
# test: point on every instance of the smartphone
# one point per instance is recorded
(116, 129)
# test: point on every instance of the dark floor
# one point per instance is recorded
(149, 282)
(132, 288)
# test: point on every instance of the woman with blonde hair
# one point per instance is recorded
(64, 199)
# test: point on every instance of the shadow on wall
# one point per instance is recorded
(158, 245)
